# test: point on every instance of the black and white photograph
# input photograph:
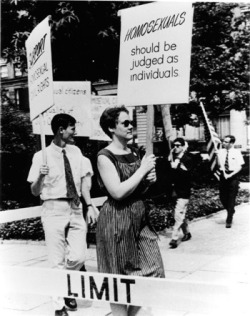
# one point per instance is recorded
(125, 144)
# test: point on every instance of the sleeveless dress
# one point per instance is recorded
(125, 244)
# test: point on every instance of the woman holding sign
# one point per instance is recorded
(125, 243)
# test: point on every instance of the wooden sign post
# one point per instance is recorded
(42, 137)
(167, 124)
(150, 130)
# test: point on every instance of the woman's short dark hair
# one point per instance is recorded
(109, 118)
(62, 120)
(179, 140)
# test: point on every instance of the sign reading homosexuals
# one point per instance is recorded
(40, 78)
(72, 98)
(155, 52)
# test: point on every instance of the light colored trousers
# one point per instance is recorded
(65, 235)
(180, 218)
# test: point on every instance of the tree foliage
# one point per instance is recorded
(220, 56)
(85, 46)
(85, 36)
(16, 129)
(18, 20)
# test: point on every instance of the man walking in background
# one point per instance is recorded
(230, 161)
(181, 166)
(60, 182)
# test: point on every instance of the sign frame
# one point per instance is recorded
(155, 54)
(40, 74)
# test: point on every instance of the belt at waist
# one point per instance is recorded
(60, 199)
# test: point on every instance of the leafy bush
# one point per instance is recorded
(18, 145)
(203, 202)
(24, 229)
(16, 129)
(16, 191)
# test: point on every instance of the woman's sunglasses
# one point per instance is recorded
(126, 123)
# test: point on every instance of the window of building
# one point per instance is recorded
(4, 95)
(4, 71)
(18, 72)
(22, 99)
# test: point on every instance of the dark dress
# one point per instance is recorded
(125, 243)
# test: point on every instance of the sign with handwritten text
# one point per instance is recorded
(72, 98)
(98, 105)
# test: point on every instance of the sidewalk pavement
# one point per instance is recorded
(214, 254)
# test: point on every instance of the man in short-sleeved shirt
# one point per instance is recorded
(62, 218)
(230, 161)
(54, 185)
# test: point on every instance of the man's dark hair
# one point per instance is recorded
(179, 140)
(232, 138)
(62, 120)
(109, 118)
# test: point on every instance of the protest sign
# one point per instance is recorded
(40, 78)
(98, 105)
(72, 98)
(155, 51)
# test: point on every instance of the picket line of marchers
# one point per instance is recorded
(135, 90)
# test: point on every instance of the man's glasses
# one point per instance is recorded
(224, 141)
(126, 123)
(176, 145)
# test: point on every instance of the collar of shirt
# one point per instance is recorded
(57, 148)
(230, 151)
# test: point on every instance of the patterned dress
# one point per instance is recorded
(125, 243)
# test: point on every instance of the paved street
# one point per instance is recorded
(214, 255)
